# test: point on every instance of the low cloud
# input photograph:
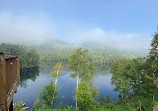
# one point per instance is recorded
(39, 29)
(24, 29)
(113, 39)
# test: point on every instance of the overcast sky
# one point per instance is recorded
(119, 23)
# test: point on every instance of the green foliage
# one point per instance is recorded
(37, 105)
(124, 107)
(54, 74)
(100, 55)
(118, 78)
(28, 58)
(129, 79)
(26, 74)
(77, 62)
(57, 69)
(105, 104)
(81, 64)
(137, 79)
(48, 94)
(68, 108)
(104, 100)
(83, 68)
(118, 66)
(152, 68)
(85, 98)
(18, 106)
(58, 66)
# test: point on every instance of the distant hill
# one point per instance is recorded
(56, 50)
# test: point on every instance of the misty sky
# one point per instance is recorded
(118, 23)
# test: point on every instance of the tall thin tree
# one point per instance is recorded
(79, 64)
(56, 74)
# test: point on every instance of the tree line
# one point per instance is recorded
(85, 94)
(33, 57)
(100, 56)
(137, 79)
(28, 57)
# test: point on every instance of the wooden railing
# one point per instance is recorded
(156, 108)
(9, 79)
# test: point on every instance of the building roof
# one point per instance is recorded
(10, 56)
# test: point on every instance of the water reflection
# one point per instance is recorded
(33, 80)
(102, 68)
(28, 73)
(103, 83)
(47, 66)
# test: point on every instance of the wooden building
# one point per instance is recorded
(156, 108)
(9, 80)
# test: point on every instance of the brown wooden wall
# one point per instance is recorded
(9, 79)
(11, 72)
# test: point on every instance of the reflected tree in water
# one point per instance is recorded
(28, 74)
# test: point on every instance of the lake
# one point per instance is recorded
(33, 80)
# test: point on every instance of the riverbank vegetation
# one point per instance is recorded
(135, 79)
(104, 56)
(44, 56)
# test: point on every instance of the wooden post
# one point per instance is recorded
(3, 96)
(18, 68)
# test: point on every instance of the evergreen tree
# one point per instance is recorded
(152, 67)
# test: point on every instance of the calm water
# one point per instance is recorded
(33, 80)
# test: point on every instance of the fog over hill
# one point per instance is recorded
(54, 44)
(43, 32)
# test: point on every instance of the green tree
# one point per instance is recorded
(84, 97)
(56, 72)
(18, 106)
(28, 58)
(152, 67)
(33, 58)
(37, 104)
(119, 79)
(128, 76)
(82, 65)
(135, 74)
(48, 94)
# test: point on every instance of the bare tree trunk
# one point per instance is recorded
(77, 88)
(140, 105)
(153, 99)
(56, 80)
(76, 100)
(57, 72)
(77, 80)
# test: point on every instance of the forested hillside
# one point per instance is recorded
(54, 51)
(61, 52)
